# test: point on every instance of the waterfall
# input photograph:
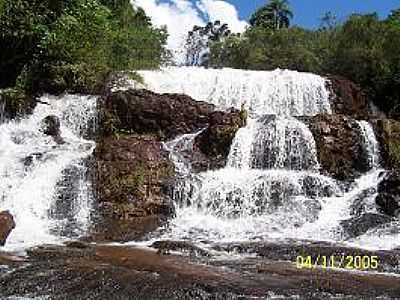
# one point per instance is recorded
(43, 183)
(272, 186)
(279, 92)
(371, 144)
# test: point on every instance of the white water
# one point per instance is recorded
(32, 171)
(371, 144)
(272, 187)
(279, 92)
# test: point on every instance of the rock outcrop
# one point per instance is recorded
(131, 172)
(51, 126)
(167, 116)
(348, 98)
(388, 198)
(145, 112)
(339, 145)
(388, 135)
(7, 224)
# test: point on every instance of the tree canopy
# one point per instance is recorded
(275, 15)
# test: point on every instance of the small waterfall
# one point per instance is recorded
(370, 143)
(180, 147)
(34, 181)
(279, 92)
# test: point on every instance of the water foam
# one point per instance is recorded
(32, 166)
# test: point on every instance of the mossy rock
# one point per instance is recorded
(388, 134)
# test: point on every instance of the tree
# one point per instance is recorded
(200, 39)
(275, 15)
(394, 17)
(328, 21)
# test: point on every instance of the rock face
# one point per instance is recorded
(170, 115)
(7, 224)
(51, 126)
(348, 98)
(131, 172)
(388, 135)
(339, 145)
(167, 116)
(388, 198)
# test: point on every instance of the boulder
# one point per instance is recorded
(357, 226)
(339, 145)
(7, 224)
(51, 126)
(145, 112)
(388, 198)
(348, 98)
(388, 135)
(131, 175)
(212, 146)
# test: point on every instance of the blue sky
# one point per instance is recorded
(308, 12)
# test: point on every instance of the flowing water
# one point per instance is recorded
(43, 183)
(272, 186)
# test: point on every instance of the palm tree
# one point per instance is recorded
(276, 14)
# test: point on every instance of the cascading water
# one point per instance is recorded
(37, 174)
(272, 186)
(371, 144)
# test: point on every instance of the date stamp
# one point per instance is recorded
(348, 262)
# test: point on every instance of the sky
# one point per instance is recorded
(181, 15)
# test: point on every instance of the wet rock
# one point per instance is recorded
(167, 116)
(51, 126)
(116, 272)
(130, 177)
(213, 144)
(348, 98)
(357, 226)
(388, 198)
(164, 247)
(388, 135)
(339, 145)
(7, 224)
(145, 112)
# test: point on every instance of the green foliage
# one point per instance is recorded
(58, 45)
(274, 15)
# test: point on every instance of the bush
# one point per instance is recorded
(55, 45)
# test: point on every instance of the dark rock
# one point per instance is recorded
(359, 225)
(348, 98)
(388, 135)
(7, 224)
(145, 112)
(170, 115)
(130, 175)
(388, 198)
(215, 141)
(51, 126)
(339, 145)
(164, 247)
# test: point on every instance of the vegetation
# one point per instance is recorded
(364, 49)
(57, 45)
(199, 39)
(274, 15)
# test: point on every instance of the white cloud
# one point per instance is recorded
(223, 11)
(181, 15)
